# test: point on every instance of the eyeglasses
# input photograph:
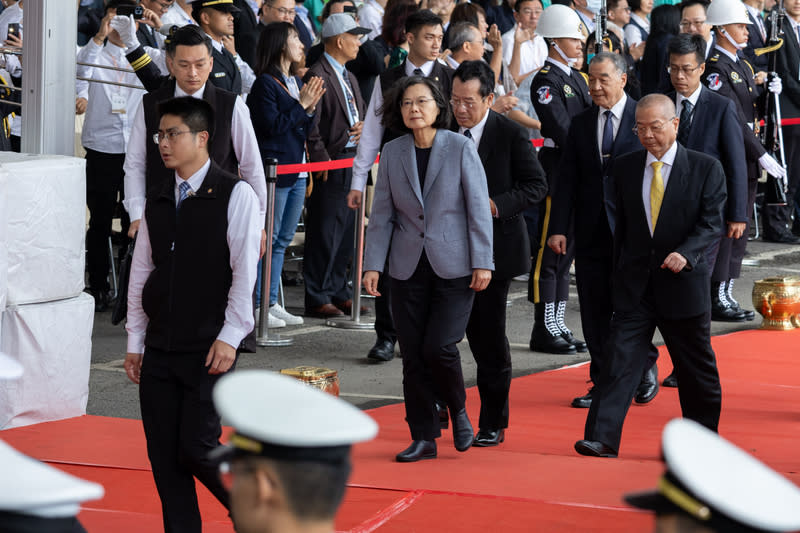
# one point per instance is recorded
(168, 136)
(656, 127)
(692, 23)
(283, 11)
(227, 471)
(682, 70)
(419, 102)
(468, 104)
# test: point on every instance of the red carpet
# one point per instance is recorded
(532, 482)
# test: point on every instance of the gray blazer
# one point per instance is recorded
(451, 219)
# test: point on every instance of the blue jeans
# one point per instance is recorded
(286, 215)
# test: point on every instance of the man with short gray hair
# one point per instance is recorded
(466, 44)
(660, 275)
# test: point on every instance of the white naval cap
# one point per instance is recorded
(719, 484)
(282, 418)
(30, 487)
(9, 368)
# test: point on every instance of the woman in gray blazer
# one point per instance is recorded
(431, 219)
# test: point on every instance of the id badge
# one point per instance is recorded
(118, 104)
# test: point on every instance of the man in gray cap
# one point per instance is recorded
(711, 485)
(287, 467)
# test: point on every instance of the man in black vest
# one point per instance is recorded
(230, 72)
(424, 35)
(235, 148)
(205, 235)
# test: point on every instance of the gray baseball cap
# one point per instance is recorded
(340, 23)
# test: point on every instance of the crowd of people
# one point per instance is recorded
(650, 165)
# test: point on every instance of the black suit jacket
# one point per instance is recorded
(716, 131)
(689, 221)
(246, 32)
(146, 37)
(755, 41)
(788, 68)
(585, 188)
(330, 132)
(516, 181)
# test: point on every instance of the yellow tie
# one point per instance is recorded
(656, 192)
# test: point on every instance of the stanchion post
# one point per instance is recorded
(354, 322)
(264, 338)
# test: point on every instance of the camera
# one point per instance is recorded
(136, 11)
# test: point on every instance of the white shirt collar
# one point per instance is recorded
(477, 130)
(643, 22)
(565, 68)
(617, 109)
(668, 158)
(216, 44)
(181, 92)
(692, 98)
(733, 57)
(753, 11)
(452, 62)
(426, 68)
(196, 179)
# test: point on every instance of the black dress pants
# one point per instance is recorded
(181, 427)
(777, 219)
(549, 280)
(329, 239)
(486, 334)
(104, 181)
(431, 315)
(689, 344)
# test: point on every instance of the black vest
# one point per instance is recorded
(186, 294)
(225, 74)
(221, 147)
(441, 74)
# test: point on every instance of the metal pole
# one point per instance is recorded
(354, 322)
(264, 338)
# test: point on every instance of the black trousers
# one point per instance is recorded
(431, 315)
(181, 427)
(731, 251)
(549, 280)
(486, 334)
(329, 239)
(777, 218)
(689, 343)
(104, 182)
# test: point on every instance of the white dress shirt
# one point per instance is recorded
(370, 15)
(616, 119)
(106, 129)
(176, 15)
(248, 76)
(244, 242)
(668, 159)
(732, 57)
(532, 53)
(633, 34)
(372, 133)
(756, 14)
(476, 131)
(679, 98)
(245, 146)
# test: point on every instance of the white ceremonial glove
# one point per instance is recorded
(773, 168)
(775, 86)
(126, 28)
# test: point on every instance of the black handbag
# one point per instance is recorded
(121, 305)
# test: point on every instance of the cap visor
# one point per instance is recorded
(650, 500)
(359, 31)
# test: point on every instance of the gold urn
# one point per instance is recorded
(778, 301)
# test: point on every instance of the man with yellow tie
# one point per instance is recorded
(669, 205)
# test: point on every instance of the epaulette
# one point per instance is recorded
(714, 58)
(544, 70)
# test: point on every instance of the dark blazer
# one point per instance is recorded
(585, 188)
(145, 35)
(329, 134)
(653, 66)
(789, 70)
(306, 37)
(246, 31)
(690, 220)
(280, 122)
(716, 131)
(516, 181)
(755, 41)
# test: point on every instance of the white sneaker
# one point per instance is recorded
(274, 322)
(284, 316)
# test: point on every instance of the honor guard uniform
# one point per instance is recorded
(730, 75)
(288, 460)
(558, 92)
(711, 485)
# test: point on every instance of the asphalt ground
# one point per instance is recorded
(368, 384)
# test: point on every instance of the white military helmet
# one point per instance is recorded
(560, 22)
(722, 12)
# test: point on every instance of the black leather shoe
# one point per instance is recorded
(102, 301)
(594, 448)
(783, 238)
(580, 346)
(463, 434)
(670, 381)
(489, 437)
(382, 351)
(722, 313)
(444, 418)
(419, 450)
(648, 388)
(583, 402)
(748, 314)
(542, 341)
